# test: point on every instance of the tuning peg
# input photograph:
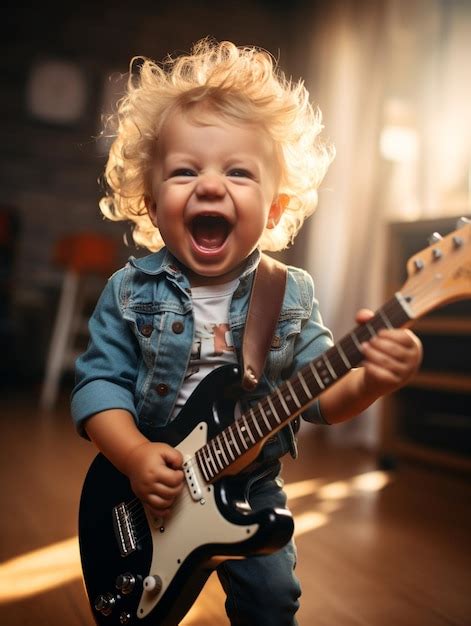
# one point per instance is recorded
(463, 221)
(434, 238)
(418, 264)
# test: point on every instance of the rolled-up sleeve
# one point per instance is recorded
(105, 374)
(313, 340)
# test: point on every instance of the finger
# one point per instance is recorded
(158, 503)
(172, 457)
(402, 336)
(389, 347)
(170, 477)
(363, 315)
(382, 375)
(384, 360)
(166, 492)
(156, 512)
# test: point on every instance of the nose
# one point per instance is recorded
(210, 185)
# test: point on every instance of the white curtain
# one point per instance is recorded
(372, 67)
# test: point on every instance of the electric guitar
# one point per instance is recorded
(143, 570)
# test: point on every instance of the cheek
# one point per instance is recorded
(170, 205)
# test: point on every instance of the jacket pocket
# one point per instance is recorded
(281, 351)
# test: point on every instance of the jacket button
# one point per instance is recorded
(146, 330)
(162, 389)
(276, 342)
(177, 327)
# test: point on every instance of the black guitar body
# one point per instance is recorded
(122, 546)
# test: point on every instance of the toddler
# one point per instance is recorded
(216, 157)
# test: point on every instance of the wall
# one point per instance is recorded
(48, 171)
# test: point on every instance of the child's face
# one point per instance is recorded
(214, 193)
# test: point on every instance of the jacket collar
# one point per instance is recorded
(163, 261)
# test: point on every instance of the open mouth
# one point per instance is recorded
(210, 231)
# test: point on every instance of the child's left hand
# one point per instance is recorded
(391, 358)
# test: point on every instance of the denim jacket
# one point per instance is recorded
(141, 334)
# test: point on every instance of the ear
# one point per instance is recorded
(277, 209)
(151, 207)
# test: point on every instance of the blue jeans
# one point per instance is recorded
(263, 590)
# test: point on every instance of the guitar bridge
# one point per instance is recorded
(123, 530)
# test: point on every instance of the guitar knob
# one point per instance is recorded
(125, 583)
(434, 238)
(153, 584)
(104, 603)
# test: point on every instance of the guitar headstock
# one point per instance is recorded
(440, 273)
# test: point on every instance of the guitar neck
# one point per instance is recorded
(293, 396)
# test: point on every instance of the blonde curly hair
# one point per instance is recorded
(242, 84)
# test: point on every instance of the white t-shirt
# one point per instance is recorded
(212, 345)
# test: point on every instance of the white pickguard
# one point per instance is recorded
(190, 525)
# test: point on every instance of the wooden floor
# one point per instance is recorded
(375, 548)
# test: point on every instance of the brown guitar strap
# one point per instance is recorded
(264, 310)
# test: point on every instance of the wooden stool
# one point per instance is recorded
(88, 260)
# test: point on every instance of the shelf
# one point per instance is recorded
(429, 455)
(443, 325)
(445, 381)
(430, 418)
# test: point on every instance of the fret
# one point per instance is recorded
(282, 400)
(293, 394)
(252, 438)
(242, 438)
(316, 376)
(273, 410)
(221, 447)
(343, 356)
(217, 452)
(211, 460)
(305, 387)
(265, 419)
(351, 351)
(229, 449)
(207, 462)
(355, 341)
(233, 440)
(329, 366)
(202, 466)
(255, 421)
(364, 333)
(377, 323)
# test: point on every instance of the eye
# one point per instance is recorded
(240, 172)
(182, 171)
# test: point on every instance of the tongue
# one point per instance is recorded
(209, 232)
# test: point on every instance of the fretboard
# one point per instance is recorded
(293, 396)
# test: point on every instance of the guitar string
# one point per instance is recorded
(297, 386)
(139, 516)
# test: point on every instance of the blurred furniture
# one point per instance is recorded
(430, 418)
(87, 260)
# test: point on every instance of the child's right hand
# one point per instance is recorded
(154, 471)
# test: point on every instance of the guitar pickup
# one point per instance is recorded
(190, 469)
(123, 530)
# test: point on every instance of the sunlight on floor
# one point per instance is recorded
(40, 570)
(59, 563)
